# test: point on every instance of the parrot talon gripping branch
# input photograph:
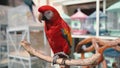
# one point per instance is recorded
(58, 55)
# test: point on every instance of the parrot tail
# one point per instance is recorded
(33, 16)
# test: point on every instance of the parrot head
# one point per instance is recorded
(48, 13)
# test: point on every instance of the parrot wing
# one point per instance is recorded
(67, 36)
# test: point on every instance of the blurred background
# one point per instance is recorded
(18, 21)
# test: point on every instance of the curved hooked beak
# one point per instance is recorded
(40, 17)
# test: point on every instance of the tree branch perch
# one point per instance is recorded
(100, 44)
(78, 62)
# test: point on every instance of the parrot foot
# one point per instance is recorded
(60, 55)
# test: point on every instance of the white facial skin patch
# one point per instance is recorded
(48, 14)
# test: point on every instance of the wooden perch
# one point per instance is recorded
(78, 62)
(100, 44)
(103, 44)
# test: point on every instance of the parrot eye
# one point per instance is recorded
(48, 14)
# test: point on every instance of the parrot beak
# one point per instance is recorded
(40, 16)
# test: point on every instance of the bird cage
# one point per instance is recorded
(3, 14)
(112, 57)
(78, 22)
(91, 23)
(113, 20)
(20, 27)
(24, 16)
(3, 44)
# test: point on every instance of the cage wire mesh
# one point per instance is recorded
(78, 22)
(113, 23)
(18, 29)
(19, 16)
(3, 48)
(18, 56)
(3, 43)
(3, 14)
(91, 23)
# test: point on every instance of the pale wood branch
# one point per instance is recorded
(104, 44)
(100, 45)
(39, 54)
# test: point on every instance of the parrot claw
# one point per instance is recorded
(55, 57)
(59, 55)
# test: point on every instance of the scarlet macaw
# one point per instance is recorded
(57, 31)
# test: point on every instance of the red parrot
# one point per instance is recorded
(57, 31)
